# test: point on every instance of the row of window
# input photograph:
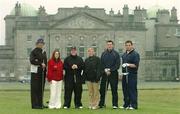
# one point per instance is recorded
(29, 37)
(164, 72)
(81, 51)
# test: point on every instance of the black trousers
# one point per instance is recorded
(130, 90)
(105, 80)
(68, 90)
(37, 90)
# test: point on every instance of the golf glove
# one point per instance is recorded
(125, 65)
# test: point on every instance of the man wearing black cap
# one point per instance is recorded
(73, 66)
(38, 60)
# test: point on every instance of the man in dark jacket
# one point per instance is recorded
(130, 60)
(110, 61)
(92, 73)
(73, 80)
(38, 60)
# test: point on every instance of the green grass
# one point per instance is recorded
(166, 101)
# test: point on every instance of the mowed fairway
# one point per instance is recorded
(158, 101)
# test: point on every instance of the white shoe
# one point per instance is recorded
(65, 107)
(80, 107)
(131, 108)
(94, 107)
(115, 107)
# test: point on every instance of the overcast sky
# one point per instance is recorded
(51, 6)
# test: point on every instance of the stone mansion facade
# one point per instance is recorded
(157, 38)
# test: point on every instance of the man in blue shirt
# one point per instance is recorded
(110, 61)
(130, 64)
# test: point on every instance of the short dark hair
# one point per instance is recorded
(129, 41)
(109, 41)
(73, 47)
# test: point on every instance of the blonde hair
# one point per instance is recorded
(90, 49)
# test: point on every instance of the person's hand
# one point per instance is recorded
(107, 71)
(43, 65)
(125, 65)
(55, 66)
(74, 66)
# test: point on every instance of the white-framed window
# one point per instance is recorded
(29, 37)
(120, 50)
(149, 53)
(29, 51)
(173, 72)
(68, 49)
(94, 46)
(42, 36)
(164, 72)
(81, 50)
(177, 34)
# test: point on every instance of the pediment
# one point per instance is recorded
(81, 21)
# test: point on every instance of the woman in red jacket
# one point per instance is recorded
(55, 77)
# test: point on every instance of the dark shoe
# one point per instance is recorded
(79, 107)
(37, 107)
(102, 106)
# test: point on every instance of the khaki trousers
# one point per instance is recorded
(93, 89)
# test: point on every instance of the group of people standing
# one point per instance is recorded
(97, 72)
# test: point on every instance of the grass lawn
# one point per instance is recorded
(163, 101)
